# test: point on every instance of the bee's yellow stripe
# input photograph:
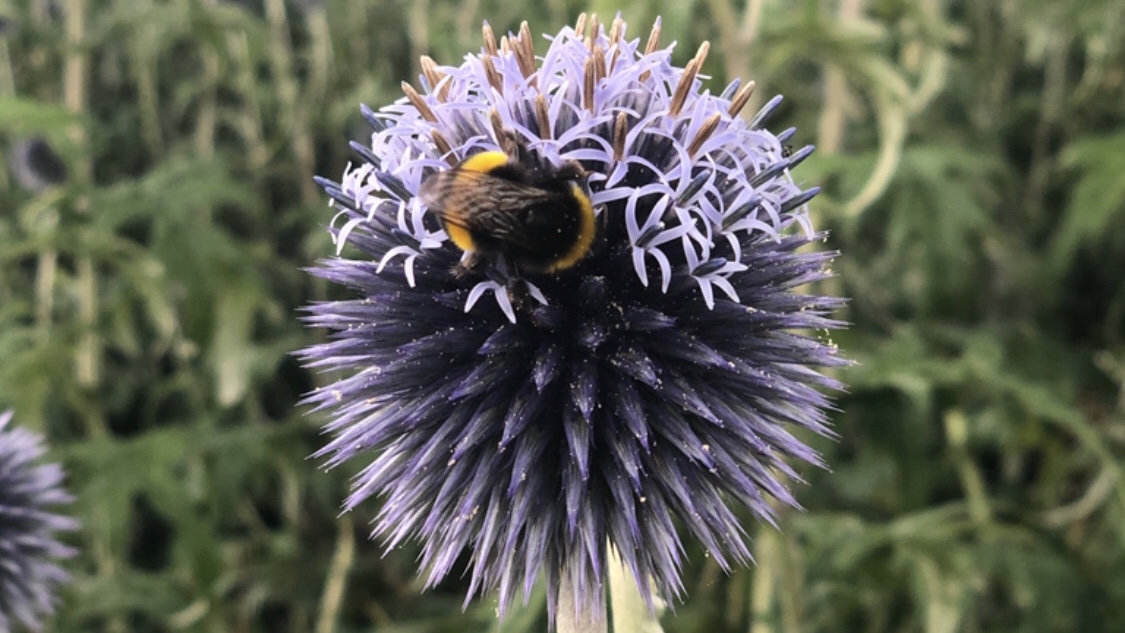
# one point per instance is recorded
(586, 231)
(482, 162)
(461, 237)
(485, 162)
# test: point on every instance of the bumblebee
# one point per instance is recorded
(537, 216)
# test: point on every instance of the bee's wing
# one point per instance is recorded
(477, 201)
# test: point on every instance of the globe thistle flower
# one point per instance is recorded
(29, 576)
(536, 420)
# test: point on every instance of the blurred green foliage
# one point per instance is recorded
(972, 155)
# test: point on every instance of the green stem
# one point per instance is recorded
(762, 594)
(207, 118)
(75, 75)
(575, 618)
(290, 114)
(250, 121)
(337, 581)
(833, 118)
(957, 433)
(7, 76)
(630, 613)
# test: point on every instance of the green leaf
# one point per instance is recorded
(1097, 205)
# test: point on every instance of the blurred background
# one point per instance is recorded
(157, 208)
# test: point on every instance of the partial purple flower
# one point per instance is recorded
(29, 545)
(650, 391)
(35, 165)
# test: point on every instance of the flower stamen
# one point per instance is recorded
(650, 48)
(599, 62)
(705, 131)
(417, 101)
(588, 85)
(616, 30)
(687, 79)
(653, 38)
(525, 54)
(436, 78)
(741, 97)
(489, 39)
(619, 133)
(491, 74)
(444, 147)
(503, 137)
(616, 48)
(542, 116)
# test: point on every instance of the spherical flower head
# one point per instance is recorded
(29, 531)
(650, 390)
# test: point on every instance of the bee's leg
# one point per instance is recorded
(467, 266)
(529, 300)
(518, 293)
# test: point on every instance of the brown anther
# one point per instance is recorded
(599, 62)
(491, 74)
(444, 147)
(741, 96)
(489, 39)
(595, 29)
(650, 47)
(653, 38)
(505, 46)
(503, 137)
(613, 59)
(525, 52)
(619, 133)
(428, 69)
(443, 88)
(543, 117)
(616, 29)
(588, 87)
(679, 96)
(418, 103)
(508, 143)
(497, 124)
(701, 55)
(705, 131)
(580, 26)
(435, 78)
